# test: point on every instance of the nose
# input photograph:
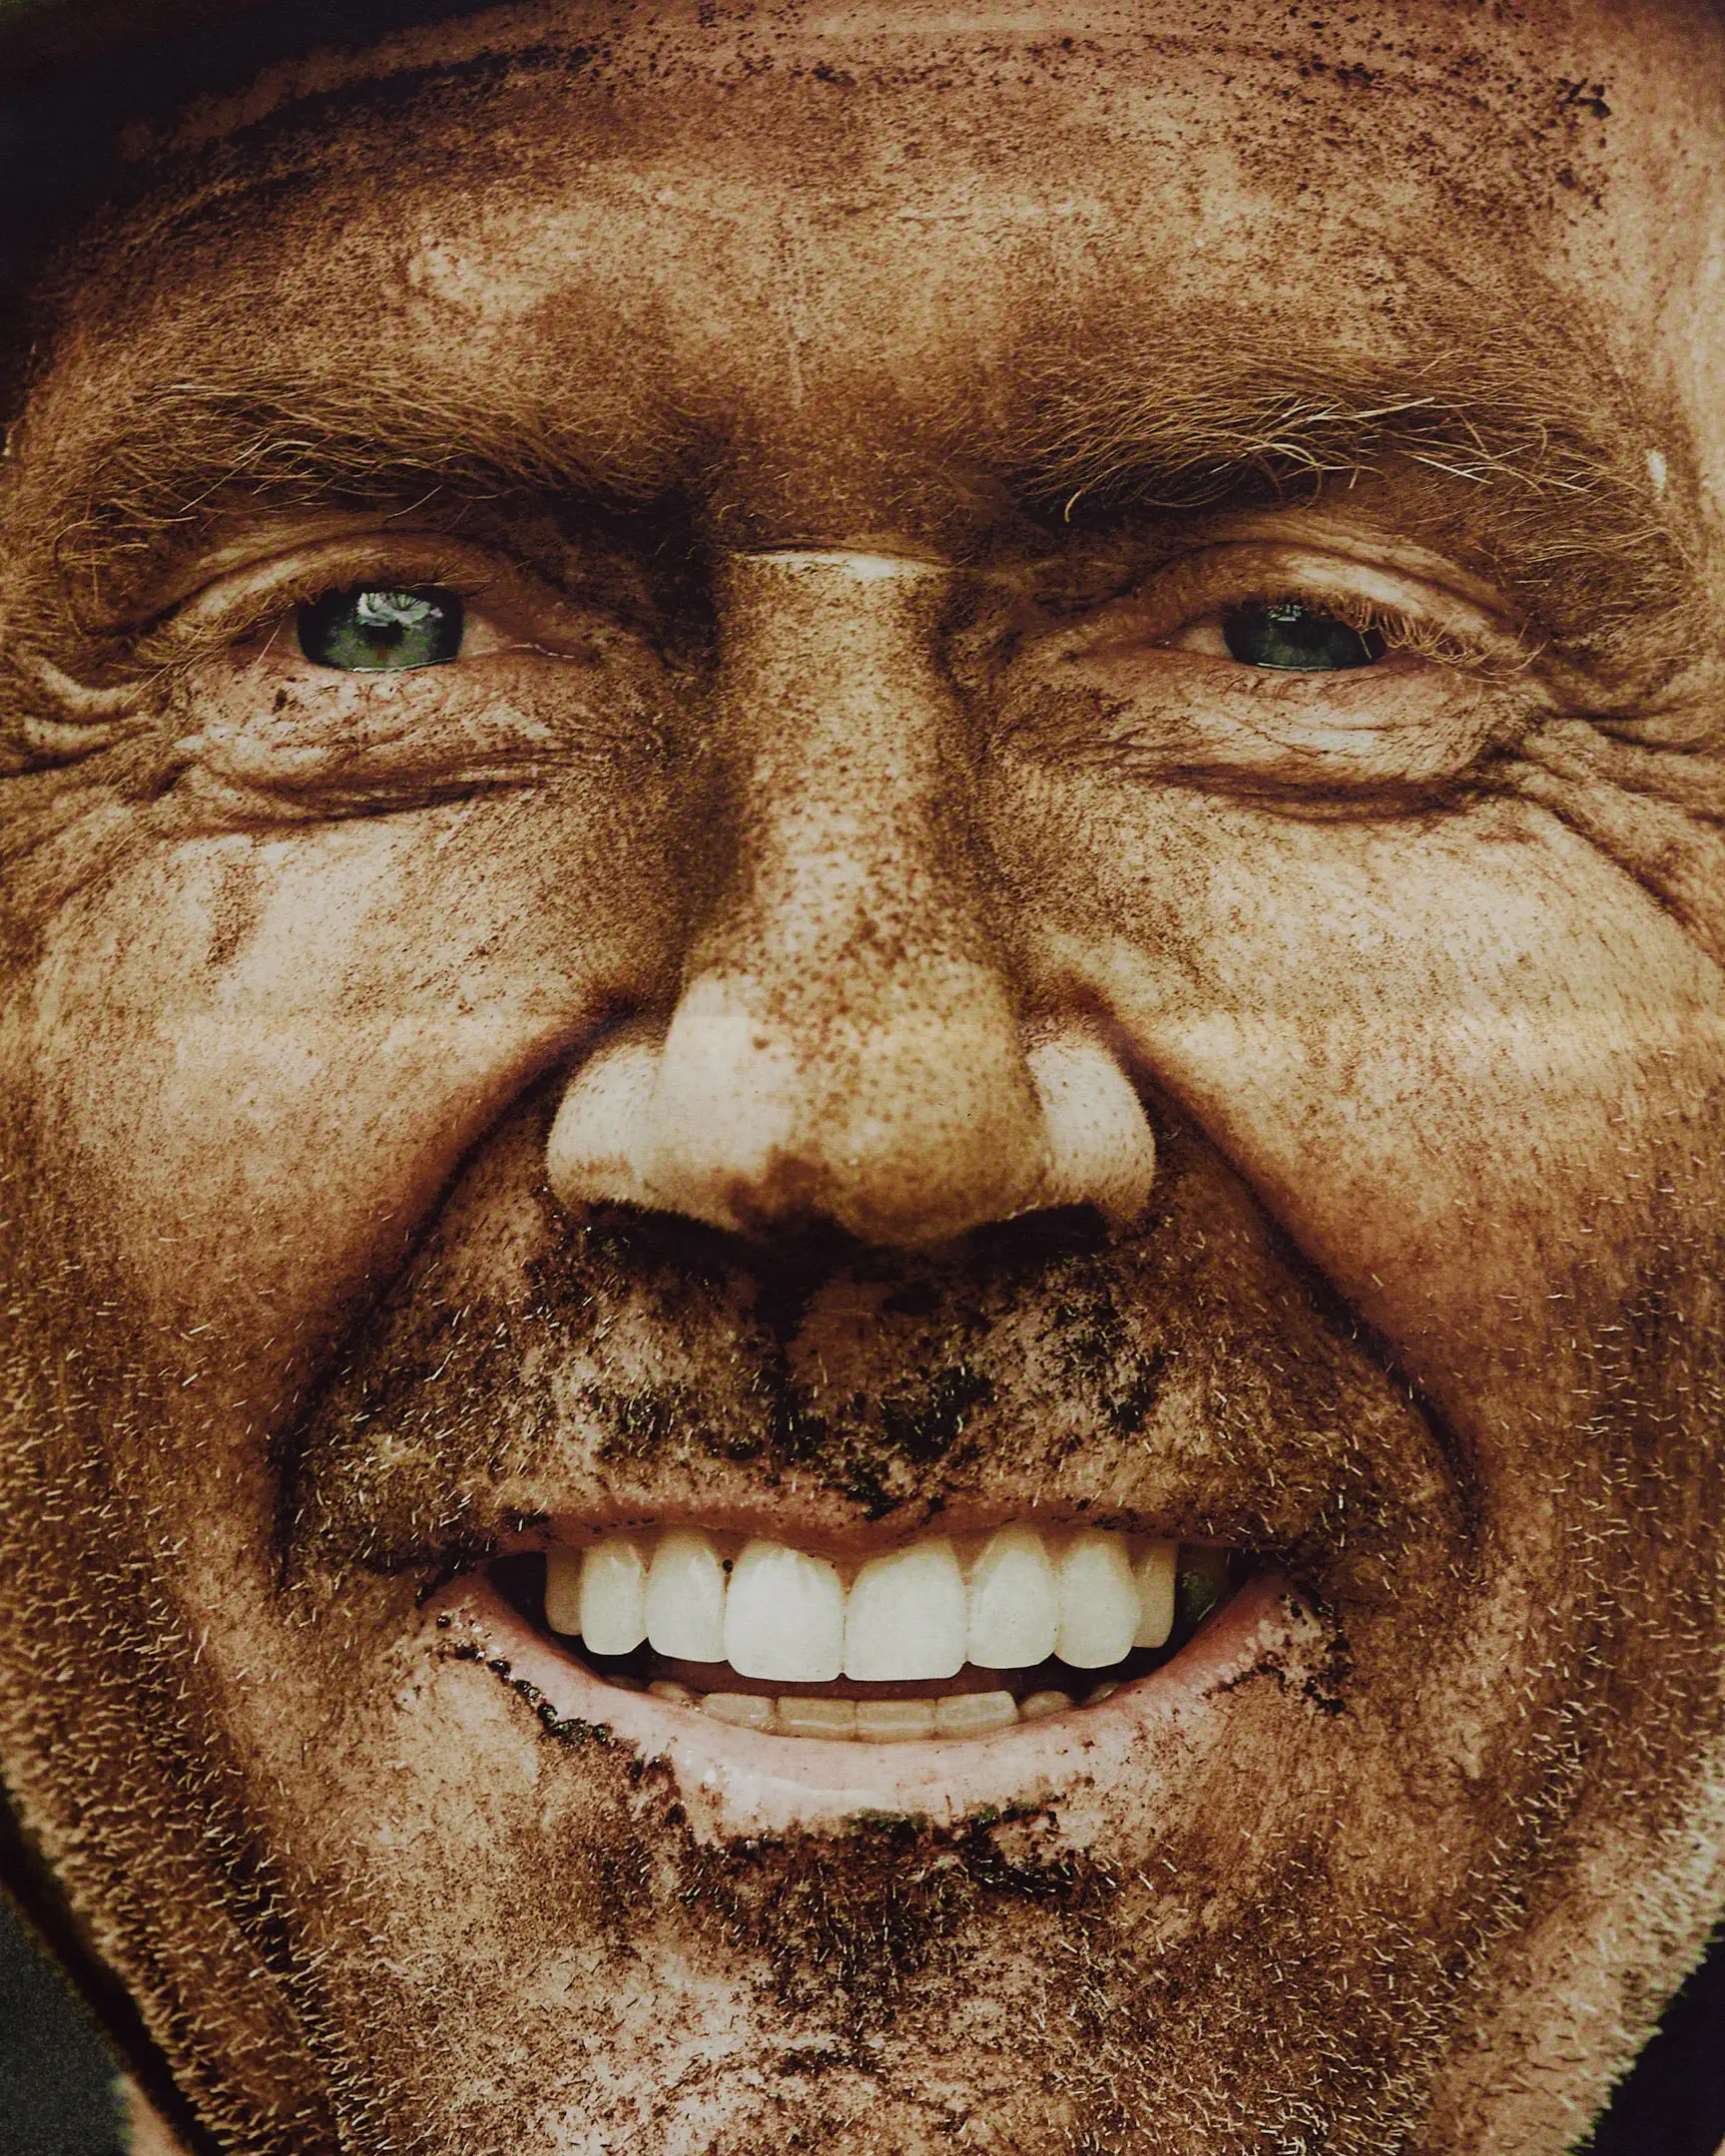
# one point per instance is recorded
(849, 1046)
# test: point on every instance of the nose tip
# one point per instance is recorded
(716, 1121)
(924, 1126)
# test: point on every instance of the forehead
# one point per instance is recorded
(863, 220)
(1345, 158)
(1410, 98)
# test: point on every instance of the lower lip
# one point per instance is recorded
(734, 1780)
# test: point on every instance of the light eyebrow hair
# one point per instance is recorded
(164, 461)
(1527, 446)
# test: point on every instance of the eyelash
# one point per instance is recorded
(1476, 646)
(182, 641)
(1400, 629)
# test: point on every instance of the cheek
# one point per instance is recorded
(1467, 1062)
(267, 1055)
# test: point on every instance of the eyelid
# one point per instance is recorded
(231, 607)
(1186, 591)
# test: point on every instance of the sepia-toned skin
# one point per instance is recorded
(607, 1078)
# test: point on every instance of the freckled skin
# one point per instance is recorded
(835, 782)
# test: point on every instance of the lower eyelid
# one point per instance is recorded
(1293, 734)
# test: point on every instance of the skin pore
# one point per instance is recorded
(846, 1005)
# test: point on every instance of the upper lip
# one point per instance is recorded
(1314, 1517)
(769, 1515)
(1186, 1382)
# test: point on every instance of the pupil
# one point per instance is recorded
(1284, 634)
(372, 629)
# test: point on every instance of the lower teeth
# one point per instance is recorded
(964, 1714)
(879, 1721)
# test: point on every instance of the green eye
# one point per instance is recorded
(1288, 635)
(370, 629)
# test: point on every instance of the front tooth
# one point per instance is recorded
(785, 1616)
(1155, 1572)
(1015, 1602)
(614, 1596)
(563, 1591)
(1099, 1610)
(1040, 1705)
(905, 1618)
(686, 1598)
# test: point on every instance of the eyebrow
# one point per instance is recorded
(1528, 453)
(168, 460)
(1527, 448)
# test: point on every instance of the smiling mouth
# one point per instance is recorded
(943, 1638)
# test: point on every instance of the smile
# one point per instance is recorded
(945, 1638)
(766, 1773)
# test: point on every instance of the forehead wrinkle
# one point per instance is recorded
(453, 42)
(905, 43)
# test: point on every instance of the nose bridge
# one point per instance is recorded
(845, 998)
(844, 763)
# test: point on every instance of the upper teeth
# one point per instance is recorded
(1008, 1601)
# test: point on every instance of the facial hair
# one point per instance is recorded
(907, 1983)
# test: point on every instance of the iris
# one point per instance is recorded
(370, 629)
(1283, 633)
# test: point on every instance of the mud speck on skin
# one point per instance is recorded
(845, 1932)
(845, 1929)
(926, 1429)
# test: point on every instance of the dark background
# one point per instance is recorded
(57, 2078)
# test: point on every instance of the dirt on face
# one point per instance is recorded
(854, 444)
(1191, 1377)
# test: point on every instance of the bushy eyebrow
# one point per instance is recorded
(1530, 454)
(149, 479)
(1525, 447)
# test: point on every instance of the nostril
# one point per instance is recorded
(1102, 1151)
(599, 1136)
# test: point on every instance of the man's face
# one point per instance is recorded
(1053, 865)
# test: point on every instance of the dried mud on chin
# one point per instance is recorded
(907, 1987)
